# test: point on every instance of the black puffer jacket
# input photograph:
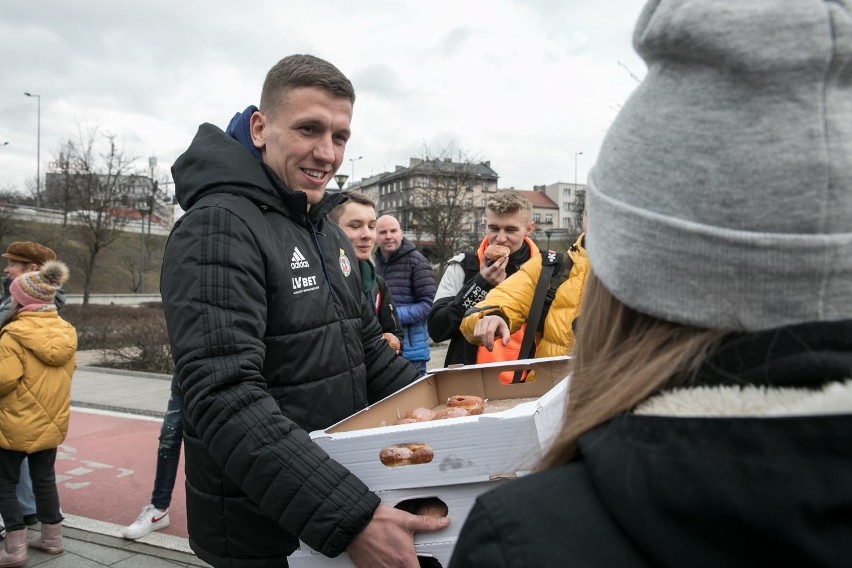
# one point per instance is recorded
(272, 338)
(748, 465)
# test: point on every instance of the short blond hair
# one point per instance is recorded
(508, 202)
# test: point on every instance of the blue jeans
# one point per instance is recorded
(168, 452)
(24, 490)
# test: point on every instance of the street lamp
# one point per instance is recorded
(152, 163)
(38, 151)
(575, 174)
(575, 169)
(353, 160)
(340, 179)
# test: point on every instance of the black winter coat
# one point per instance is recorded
(752, 469)
(272, 338)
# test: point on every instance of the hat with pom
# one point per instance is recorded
(722, 194)
(33, 290)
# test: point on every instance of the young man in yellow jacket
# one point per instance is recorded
(507, 307)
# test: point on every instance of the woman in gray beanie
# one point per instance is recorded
(709, 420)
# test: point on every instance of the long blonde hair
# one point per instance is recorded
(621, 357)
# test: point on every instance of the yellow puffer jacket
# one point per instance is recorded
(513, 298)
(38, 356)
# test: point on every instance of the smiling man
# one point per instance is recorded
(272, 336)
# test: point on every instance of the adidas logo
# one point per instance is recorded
(298, 260)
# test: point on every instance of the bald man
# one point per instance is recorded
(412, 283)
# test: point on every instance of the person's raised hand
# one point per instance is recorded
(496, 272)
(490, 327)
(388, 539)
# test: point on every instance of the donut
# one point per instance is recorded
(422, 454)
(421, 414)
(395, 456)
(399, 421)
(451, 412)
(406, 454)
(473, 404)
(392, 340)
(495, 252)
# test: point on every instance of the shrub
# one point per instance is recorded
(133, 338)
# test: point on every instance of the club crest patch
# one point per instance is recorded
(345, 265)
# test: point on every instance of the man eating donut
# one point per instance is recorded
(471, 274)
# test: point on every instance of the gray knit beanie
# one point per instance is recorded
(722, 195)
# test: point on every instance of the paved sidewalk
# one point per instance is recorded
(91, 543)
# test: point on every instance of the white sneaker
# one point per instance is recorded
(149, 520)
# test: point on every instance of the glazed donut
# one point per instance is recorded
(495, 252)
(395, 456)
(392, 340)
(473, 404)
(451, 412)
(421, 414)
(421, 454)
(406, 454)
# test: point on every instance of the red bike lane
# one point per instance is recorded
(105, 469)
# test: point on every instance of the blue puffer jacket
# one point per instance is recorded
(410, 279)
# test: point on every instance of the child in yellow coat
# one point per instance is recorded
(37, 359)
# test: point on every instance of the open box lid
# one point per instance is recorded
(479, 380)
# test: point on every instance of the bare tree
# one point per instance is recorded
(61, 186)
(444, 202)
(101, 186)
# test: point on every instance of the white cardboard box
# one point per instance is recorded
(471, 449)
(441, 552)
(459, 500)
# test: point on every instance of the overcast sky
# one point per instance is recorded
(524, 84)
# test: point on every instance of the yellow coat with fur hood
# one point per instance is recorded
(38, 355)
(513, 298)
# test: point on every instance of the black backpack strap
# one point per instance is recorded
(551, 263)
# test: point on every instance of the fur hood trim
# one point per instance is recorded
(750, 401)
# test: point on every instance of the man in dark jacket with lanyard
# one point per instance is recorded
(272, 337)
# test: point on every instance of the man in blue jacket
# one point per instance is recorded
(409, 276)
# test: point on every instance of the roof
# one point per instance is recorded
(538, 199)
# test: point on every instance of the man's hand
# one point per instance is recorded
(388, 539)
(495, 273)
(490, 327)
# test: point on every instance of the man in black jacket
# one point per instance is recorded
(272, 337)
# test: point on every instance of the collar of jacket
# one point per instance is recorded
(406, 247)
(526, 251)
(368, 275)
(795, 370)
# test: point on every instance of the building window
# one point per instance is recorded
(566, 192)
(483, 202)
(548, 218)
(468, 201)
(536, 217)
